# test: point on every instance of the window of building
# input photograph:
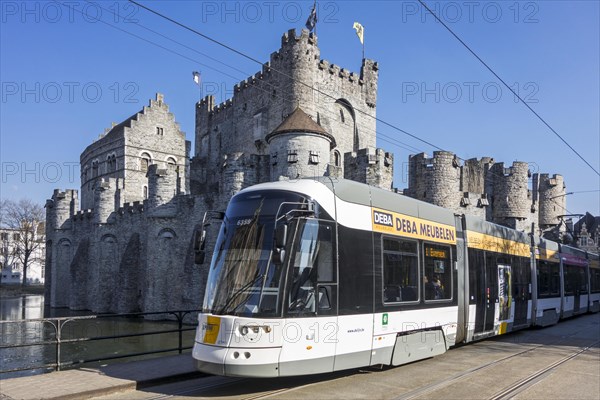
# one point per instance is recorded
(274, 159)
(583, 241)
(145, 162)
(342, 118)
(4, 236)
(16, 236)
(160, 131)
(400, 270)
(258, 125)
(145, 192)
(337, 159)
(171, 163)
(111, 163)
(437, 272)
(95, 168)
(313, 157)
(292, 156)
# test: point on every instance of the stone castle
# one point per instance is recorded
(125, 242)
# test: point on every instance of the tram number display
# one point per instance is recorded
(436, 253)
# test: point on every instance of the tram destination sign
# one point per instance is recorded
(413, 227)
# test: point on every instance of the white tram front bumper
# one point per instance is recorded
(233, 346)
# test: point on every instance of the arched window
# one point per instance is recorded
(171, 163)
(111, 163)
(337, 159)
(145, 162)
(94, 168)
(145, 192)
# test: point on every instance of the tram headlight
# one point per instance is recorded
(244, 330)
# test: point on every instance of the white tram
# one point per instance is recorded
(314, 276)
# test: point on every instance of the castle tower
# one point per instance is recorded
(511, 194)
(552, 200)
(340, 102)
(435, 180)
(162, 186)
(104, 200)
(60, 208)
(299, 147)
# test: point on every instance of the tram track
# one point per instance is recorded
(534, 378)
(514, 388)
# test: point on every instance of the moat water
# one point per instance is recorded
(18, 309)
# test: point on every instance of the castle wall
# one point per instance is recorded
(374, 167)
(486, 189)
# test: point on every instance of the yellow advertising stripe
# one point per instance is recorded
(546, 254)
(482, 241)
(403, 225)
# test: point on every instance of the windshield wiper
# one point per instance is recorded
(237, 293)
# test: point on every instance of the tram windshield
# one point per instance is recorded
(243, 279)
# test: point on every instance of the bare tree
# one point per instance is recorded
(25, 219)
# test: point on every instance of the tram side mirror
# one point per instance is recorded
(280, 240)
(199, 244)
(281, 235)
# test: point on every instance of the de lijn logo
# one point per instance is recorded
(383, 218)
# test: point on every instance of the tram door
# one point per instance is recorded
(577, 290)
(484, 287)
(521, 275)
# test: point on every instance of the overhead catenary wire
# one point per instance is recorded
(391, 140)
(277, 71)
(507, 86)
(248, 57)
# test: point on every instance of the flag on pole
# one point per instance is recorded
(196, 75)
(311, 22)
(359, 32)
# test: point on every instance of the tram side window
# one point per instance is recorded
(583, 287)
(400, 271)
(594, 280)
(572, 277)
(437, 276)
(548, 280)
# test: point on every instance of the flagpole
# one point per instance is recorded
(315, 8)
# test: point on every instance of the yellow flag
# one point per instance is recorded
(359, 31)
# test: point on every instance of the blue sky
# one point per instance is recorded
(68, 71)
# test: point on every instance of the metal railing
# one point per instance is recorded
(58, 339)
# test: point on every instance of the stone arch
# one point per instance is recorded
(167, 233)
(108, 269)
(64, 257)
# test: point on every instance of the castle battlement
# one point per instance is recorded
(290, 38)
(135, 207)
(83, 214)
